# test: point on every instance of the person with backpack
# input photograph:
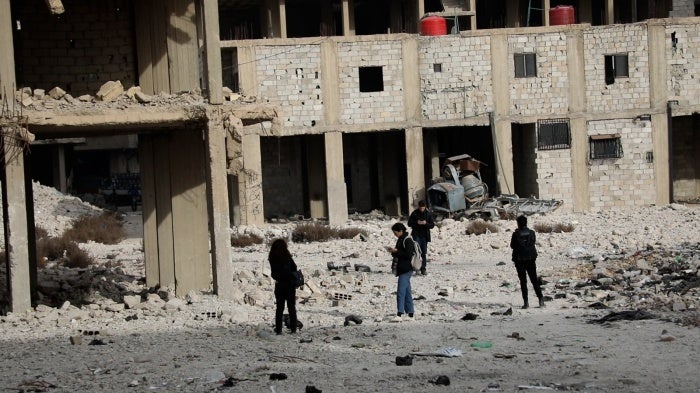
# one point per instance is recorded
(282, 267)
(421, 222)
(402, 253)
(524, 255)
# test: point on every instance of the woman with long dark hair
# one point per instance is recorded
(282, 265)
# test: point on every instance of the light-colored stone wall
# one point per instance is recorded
(463, 87)
(682, 8)
(554, 176)
(683, 62)
(550, 88)
(370, 107)
(627, 181)
(625, 93)
(290, 78)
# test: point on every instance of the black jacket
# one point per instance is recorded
(418, 230)
(403, 254)
(523, 244)
(281, 272)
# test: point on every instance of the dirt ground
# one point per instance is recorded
(213, 345)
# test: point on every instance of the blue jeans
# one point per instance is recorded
(423, 243)
(404, 299)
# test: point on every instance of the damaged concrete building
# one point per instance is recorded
(337, 106)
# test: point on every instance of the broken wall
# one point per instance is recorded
(554, 176)
(682, 8)
(683, 59)
(627, 181)
(91, 43)
(625, 93)
(686, 165)
(282, 176)
(455, 77)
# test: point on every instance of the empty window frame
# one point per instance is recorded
(616, 66)
(371, 79)
(553, 134)
(605, 146)
(525, 65)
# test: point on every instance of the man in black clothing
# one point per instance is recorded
(524, 255)
(421, 222)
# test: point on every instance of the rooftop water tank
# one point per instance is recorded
(433, 25)
(562, 15)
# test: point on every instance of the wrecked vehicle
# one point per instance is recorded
(460, 192)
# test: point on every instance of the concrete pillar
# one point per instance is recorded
(579, 130)
(315, 164)
(246, 70)
(500, 124)
(415, 166)
(335, 179)
(658, 97)
(411, 79)
(148, 207)
(271, 19)
(420, 9)
(250, 182)
(327, 24)
(330, 85)
(433, 154)
(348, 17)
(212, 51)
(234, 200)
(7, 60)
(395, 17)
(15, 222)
(609, 12)
(584, 12)
(59, 168)
(282, 5)
(217, 202)
(545, 12)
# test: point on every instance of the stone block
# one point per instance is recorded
(110, 90)
(57, 93)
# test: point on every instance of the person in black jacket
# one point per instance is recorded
(524, 255)
(282, 265)
(402, 253)
(421, 222)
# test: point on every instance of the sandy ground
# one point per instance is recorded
(213, 345)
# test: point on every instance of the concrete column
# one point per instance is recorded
(282, 5)
(348, 17)
(433, 155)
(389, 174)
(7, 60)
(420, 9)
(500, 123)
(59, 169)
(148, 207)
(609, 12)
(658, 97)
(330, 85)
(415, 166)
(545, 12)
(335, 179)
(411, 79)
(250, 182)
(246, 71)
(212, 51)
(327, 25)
(395, 17)
(584, 13)
(217, 203)
(271, 18)
(15, 222)
(579, 130)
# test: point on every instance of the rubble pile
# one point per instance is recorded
(113, 95)
(664, 280)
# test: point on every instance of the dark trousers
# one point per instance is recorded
(423, 243)
(285, 294)
(528, 268)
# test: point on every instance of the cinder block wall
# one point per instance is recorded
(282, 176)
(554, 176)
(625, 93)
(682, 8)
(79, 50)
(528, 96)
(626, 181)
(461, 85)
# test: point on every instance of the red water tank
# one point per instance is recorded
(433, 25)
(562, 15)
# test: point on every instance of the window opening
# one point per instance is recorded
(616, 66)
(525, 65)
(605, 146)
(553, 134)
(437, 67)
(371, 79)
